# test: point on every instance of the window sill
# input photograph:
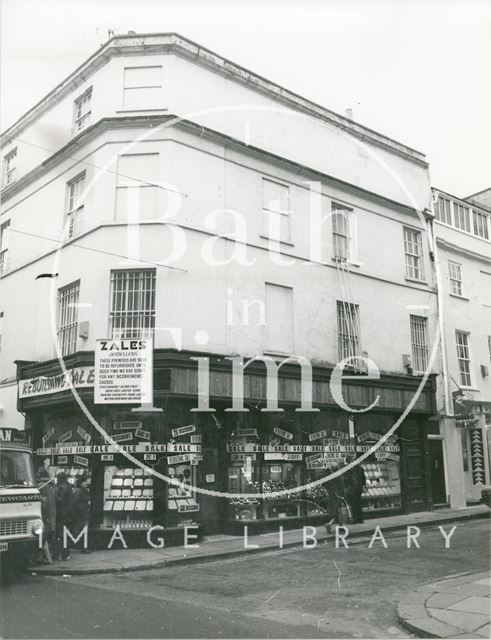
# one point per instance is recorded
(470, 388)
(289, 244)
(141, 110)
(416, 281)
(350, 263)
(454, 295)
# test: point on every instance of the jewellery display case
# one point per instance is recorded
(280, 476)
(243, 478)
(128, 498)
(181, 498)
(383, 486)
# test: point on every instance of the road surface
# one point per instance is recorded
(312, 593)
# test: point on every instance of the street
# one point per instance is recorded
(322, 592)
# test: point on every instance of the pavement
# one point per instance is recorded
(223, 546)
(458, 607)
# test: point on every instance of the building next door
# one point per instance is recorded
(437, 472)
(414, 487)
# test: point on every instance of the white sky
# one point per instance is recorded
(417, 71)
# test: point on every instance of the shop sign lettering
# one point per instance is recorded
(78, 377)
(283, 434)
(369, 435)
(133, 424)
(85, 436)
(185, 508)
(143, 435)
(340, 434)
(79, 460)
(316, 456)
(185, 457)
(65, 436)
(183, 447)
(317, 435)
(196, 439)
(182, 431)
(107, 457)
(247, 432)
(274, 456)
(62, 459)
(241, 457)
(123, 372)
(122, 437)
(47, 435)
(293, 456)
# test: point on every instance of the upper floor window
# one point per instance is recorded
(481, 225)
(136, 189)
(455, 278)
(279, 319)
(82, 111)
(341, 232)
(75, 207)
(462, 217)
(68, 299)
(276, 210)
(348, 330)
(443, 210)
(132, 306)
(10, 167)
(419, 343)
(142, 87)
(464, 357)
(4, 246)
(414, 253)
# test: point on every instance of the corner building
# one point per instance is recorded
(169, 193)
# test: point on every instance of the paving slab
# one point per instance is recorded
(451, 609)
(460, 619)
(472, 604)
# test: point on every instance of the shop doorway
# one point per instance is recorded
(437, 472)
(414, 486)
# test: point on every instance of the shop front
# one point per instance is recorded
(273, 457)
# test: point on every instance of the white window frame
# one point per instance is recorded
(132, 310)
(464, 359)
(480, 224)
(9, 171)
(462, 217)
(444, 210)
(74, 205)
(348, 329)
(341, 232)
(419, 342)
(4, 246)
(68, 299)
(413, 250)
(82, 111)
(142, 86)
(455, 278)
(267, 211)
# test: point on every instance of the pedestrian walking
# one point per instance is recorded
(355, 485)
(64, 514)
(47, 490)
(81, 505)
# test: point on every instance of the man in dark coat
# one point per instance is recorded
(355, 485)
(64, 513)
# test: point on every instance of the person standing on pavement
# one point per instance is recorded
(64, 514)
(355, 485)
(81, 504)
(48, 512)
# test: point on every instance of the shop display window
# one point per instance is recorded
(181, 498)
(280, 477)
(383, 485)
(317, 497)
(128, 497)
(243, 477)
(72, 473)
